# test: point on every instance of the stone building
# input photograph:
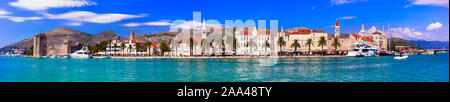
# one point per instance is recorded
(64, 48)
(40, 45)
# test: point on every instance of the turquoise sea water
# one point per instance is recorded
(418, 68)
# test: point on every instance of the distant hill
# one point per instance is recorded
(432, 44)
(402, 42)
(61, 34)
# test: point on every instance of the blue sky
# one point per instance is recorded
(410, 19)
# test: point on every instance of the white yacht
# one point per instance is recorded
(362, 50)
(83, 53)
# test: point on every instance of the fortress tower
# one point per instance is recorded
(40, 45)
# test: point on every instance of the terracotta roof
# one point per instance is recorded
(300, 31)
(319, 30)
(367, 38)
(330, 37)
(135, 41)
(355, 35)
(154, 45)
(376, 32)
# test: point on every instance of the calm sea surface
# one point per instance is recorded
(418, 68)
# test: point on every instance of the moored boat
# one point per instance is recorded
(83, 53)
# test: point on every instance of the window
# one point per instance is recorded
(365, 50)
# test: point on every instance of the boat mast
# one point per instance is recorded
(389, 42)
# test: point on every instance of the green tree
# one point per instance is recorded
(267, 45)
(164, 47)
(322, 42)
(130, 47)
(114, 47)
(295, 45)
(234, 45)
(392, 46)
(139, 47)
(147, 45)
(281, 43)
(223, 47)
(122, 47)
(309, 42)
(201, 46)
(191, 45)
(336, 44)
(31, 51)
(100, 46)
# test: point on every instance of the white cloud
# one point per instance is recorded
(86, 16)
(39, 5)
(22, 19)
(434, 26)
(3, 12)
(412, 34)
(442, 3)
(348, 17)
(157, 23)
(132, 24)
(341, 2)
(195, 25)
(75, 24)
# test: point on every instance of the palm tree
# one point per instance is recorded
(223, 47)
(322, 42)
(122, 47)
(309, 43)
(129, 48)
(201, 46)
(163, 47)
(147, 45)
(267, 45)
(234, 45)
(138, 47)
(281, 43)
(335, 44)
(191, 45)
(295, 45)
(114, 46)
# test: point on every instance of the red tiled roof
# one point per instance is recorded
(300, 31)
(367, 38)
(330, 38)
(154, 45)
(319, 30)
(246, 32)
(135, 41)
(376, 32)
(355, 35)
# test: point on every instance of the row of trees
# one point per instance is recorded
(140, 47)
(322, 42)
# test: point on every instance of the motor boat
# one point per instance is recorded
(362, 50)
(83, 53)
(400, 57)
